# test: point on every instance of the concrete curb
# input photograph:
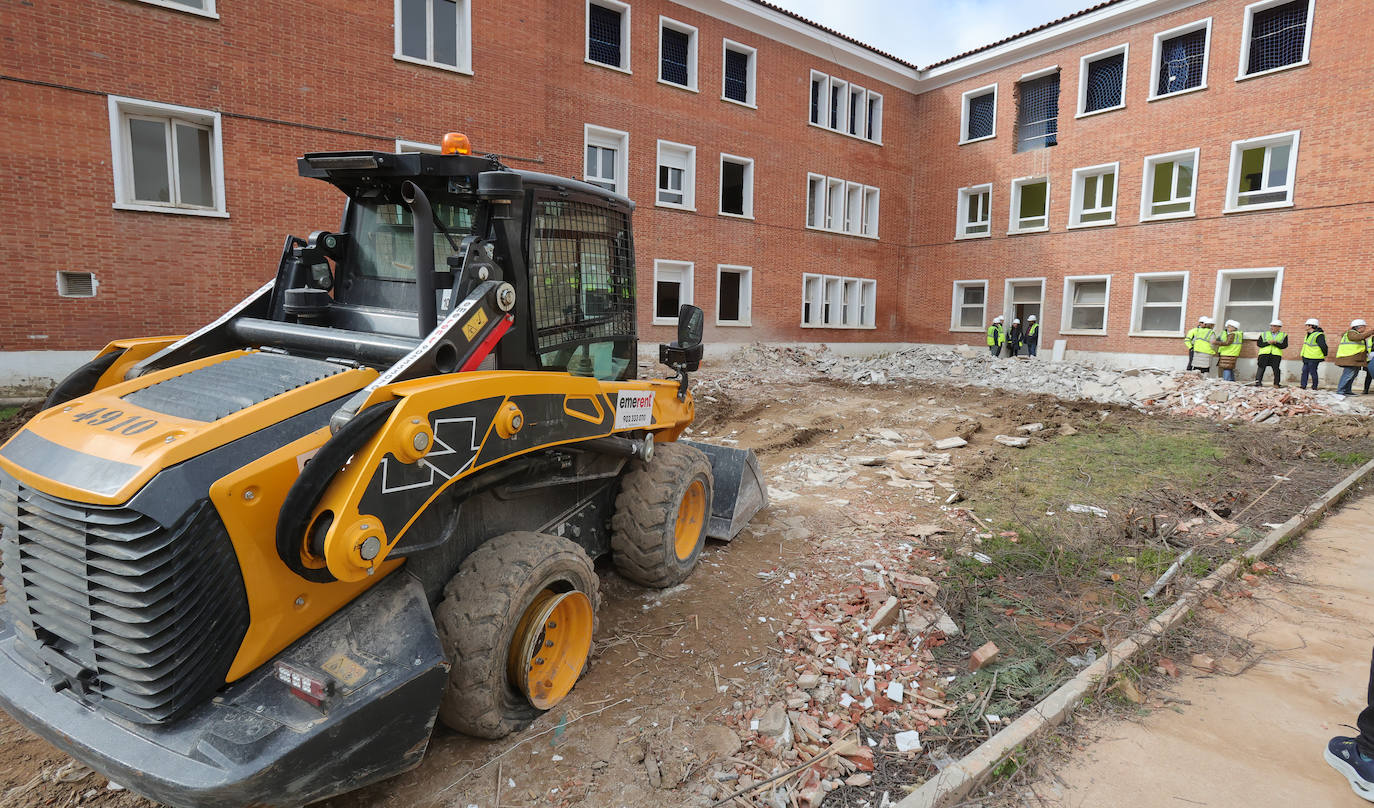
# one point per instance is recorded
(957, 780)
(20, 401)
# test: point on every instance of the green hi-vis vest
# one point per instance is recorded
(1232, 348)
(1349, 347)
(1203, 342)
(1194, 336)
(1310, 348)
(1269, 348)
(1034, 330)
(995, 336)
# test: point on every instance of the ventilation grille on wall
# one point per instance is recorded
(76, 284)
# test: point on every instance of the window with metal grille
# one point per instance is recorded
(981, 116)
(674, 54)
(1181, 62)
(737, 72)
(583, 280)
(1278, 37)
(1105, 83)
(1037, 121)
(76, 284)
(604, 36)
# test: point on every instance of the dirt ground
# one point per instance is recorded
(662, 717)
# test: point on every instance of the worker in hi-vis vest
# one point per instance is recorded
(1032, 334)
(1369, 367)
(1313, 352)
(1270, 344)
(1194, 334)
(1204, 353)
(996, 336)
(1228, 344)
(1352, 354)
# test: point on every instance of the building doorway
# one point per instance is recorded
(1025, 296)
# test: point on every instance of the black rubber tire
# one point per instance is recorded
(478, 616)
(642, 538)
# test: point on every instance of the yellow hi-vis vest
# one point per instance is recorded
(1232, 348)
(1310, 348)
(1203, 343)
(1268, 348)
(1193, 336)
(1034, 328)
(995, 336)
(1349, 347)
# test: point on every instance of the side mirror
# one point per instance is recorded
(690, 324)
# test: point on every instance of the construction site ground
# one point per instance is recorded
(831, 641)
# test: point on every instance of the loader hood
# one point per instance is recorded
(102, 448)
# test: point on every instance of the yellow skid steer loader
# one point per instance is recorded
(252, 566)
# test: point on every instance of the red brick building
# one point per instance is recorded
(797, 185)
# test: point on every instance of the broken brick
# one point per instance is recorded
(985, 654)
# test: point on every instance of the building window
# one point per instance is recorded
(205, 8)
(1158, 304)
(736, 186)
(1102, 81)
(1030, 205)
(845, 108)
(676, 175)
(1170, 186)
(606, 157)
(76, 284)
(738, 79)
(1249, 296)
(1093, 201)
(1276, 35)
(1262, 173)
(1180, 59)
(734, 294)
(842, 207)
(834, 302)
(970, 306)
(434, 33)
(608, 34)
(979, 120)
(166, 158)
(677, 54)
(1037, 117)
(1085, 304)
(672, 290)
(975, 212)
(415, 147)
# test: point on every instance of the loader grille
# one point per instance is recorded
(140, 620)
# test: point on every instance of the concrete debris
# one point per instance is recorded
(945, 444)
(1014, 442)
(1092, 509)
(909, 741)
(1203, 663)
(1030, 428)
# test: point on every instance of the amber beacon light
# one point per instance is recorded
(456, 143)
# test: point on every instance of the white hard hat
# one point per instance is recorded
(1357, 323)
(1016, 320)
(1207, 320)
(1311, 321)
(1276, 322)
(998, 319)
(1031, 318)
(1230, 323)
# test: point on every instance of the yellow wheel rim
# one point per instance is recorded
(691, 519)
(550, 646)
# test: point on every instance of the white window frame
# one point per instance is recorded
(748, 201)
(1238, 147)
(1138, 304)
(687, 276)
(1009, 302)
(1250, 12)
(121, 156)
(822, 99)
(463, 34)
(416, 147)
(1125, 51)
(836, 209)
(873, 113)
(964, 119)
(746, 295)
(1013, 227)
(1203, 24)
(1222, 292)
(957, 303)
(752, 84)
(862, 294)
(691, 32)
(846, 99)
(961, 223)
(1147, 186)
(689, 175)
(1066, 310)
(1076, 200)
(872, 211)
(613, 5)
(593, 135)
(208, 11)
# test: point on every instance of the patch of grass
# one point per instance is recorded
(7, 413)
(1344, 458)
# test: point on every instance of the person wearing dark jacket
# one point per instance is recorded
(1313, 352)
(1270, 345)
(1014, 337)
(1352, 352)
(1032, 335)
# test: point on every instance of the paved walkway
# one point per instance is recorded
(1255, 740)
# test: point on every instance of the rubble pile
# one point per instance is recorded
(927, 474)
(1146, 388)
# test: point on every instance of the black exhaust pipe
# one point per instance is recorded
(423, 217)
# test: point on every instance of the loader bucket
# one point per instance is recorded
(739, 490)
